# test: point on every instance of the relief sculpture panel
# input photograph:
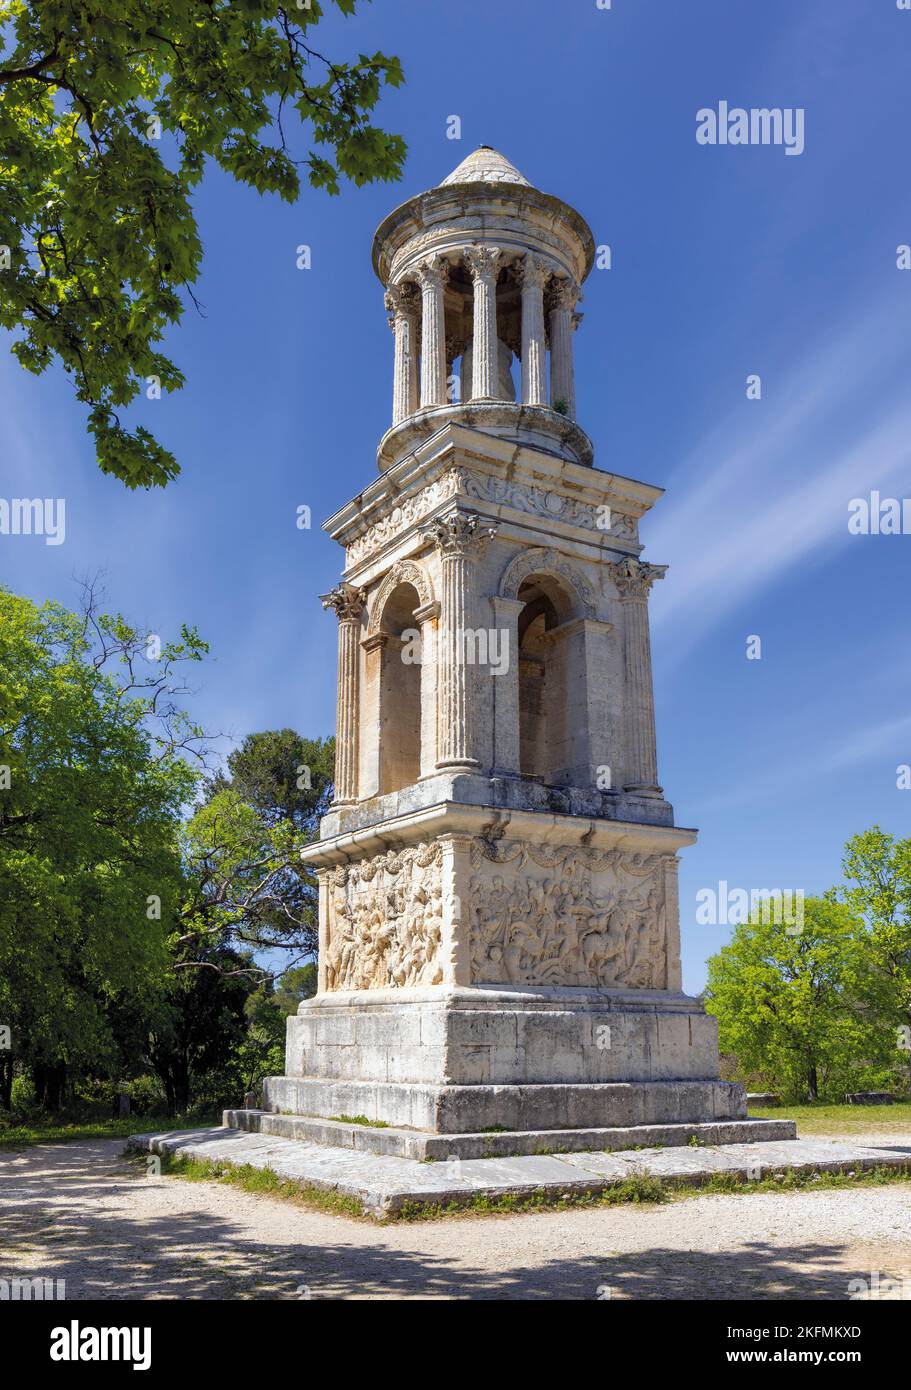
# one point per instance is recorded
(571, 917)
(385, 921)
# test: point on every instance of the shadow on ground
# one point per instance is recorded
(82, 1213)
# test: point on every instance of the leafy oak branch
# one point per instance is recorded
(109, 113)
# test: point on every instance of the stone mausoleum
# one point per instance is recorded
(499, 965)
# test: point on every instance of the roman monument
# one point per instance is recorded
(498, 916)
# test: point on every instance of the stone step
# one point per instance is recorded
(415, 1144)
(481, 1109)
(386, 1185)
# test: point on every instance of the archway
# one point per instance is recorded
(400, 681)
(553, 718)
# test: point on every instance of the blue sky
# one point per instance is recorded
(726, 262)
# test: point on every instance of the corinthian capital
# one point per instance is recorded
(634, 578)
(401, 299)
(564, 294)
(459, 532)
(531, 272)
(483, 261)
(432, 273)
(347, 601)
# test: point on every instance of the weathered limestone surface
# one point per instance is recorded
(386, 1183)
(499, 932)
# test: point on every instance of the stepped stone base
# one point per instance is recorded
(403, 1143)
(470, 1109)
(465, 1061)
(386, 1185)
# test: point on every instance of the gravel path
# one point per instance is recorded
(83, 1213)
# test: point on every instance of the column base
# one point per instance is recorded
(643, 789)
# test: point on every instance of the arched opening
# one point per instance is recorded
(552, 713)
(400, 691)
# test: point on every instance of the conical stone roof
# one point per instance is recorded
(485, 165)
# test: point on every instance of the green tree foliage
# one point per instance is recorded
(200, 1026)
(248, 888)
(878, 867)
(127, 932)
(94, 772)
(800, 1006)
(110, 111)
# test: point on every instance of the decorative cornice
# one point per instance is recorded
(522, 497)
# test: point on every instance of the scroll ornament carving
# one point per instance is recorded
(346, 601)
(432, 273)
(634, 578)
(458, 532)
(555, 929)
(523, 497)
(386, 921)
(531, 272)
(483, 261)
(563, 294)
(401, 299)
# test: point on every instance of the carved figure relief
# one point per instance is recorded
(386, 921)
(556, 929)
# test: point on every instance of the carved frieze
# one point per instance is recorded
(543, 502)
(386, 920)
(593, 919)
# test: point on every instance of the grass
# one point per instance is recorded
(789, 1180)
(359, 1120)
(51, 1131)
(638, 1189)
(849, 1120)
(262, 1181)
(644, 1188)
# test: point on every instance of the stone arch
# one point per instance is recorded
(550, 604)
(404, 572)
(543, 561)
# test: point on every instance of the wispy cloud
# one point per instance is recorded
(747, 509)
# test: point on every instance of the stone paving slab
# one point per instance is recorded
(383, 1184)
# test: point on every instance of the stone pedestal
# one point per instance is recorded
(486, 968)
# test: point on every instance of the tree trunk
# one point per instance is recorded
(6, 1080)
(812, 1085)
(182, 1085)
(50, 1084)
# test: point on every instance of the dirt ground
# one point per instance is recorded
(83, 1213)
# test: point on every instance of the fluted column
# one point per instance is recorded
(432, 275)
(506, 743)
(534, 350)
(402, 303)
(457, 535)
(348, 604)
(634, 579)
(483, 262)
(564, 296)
